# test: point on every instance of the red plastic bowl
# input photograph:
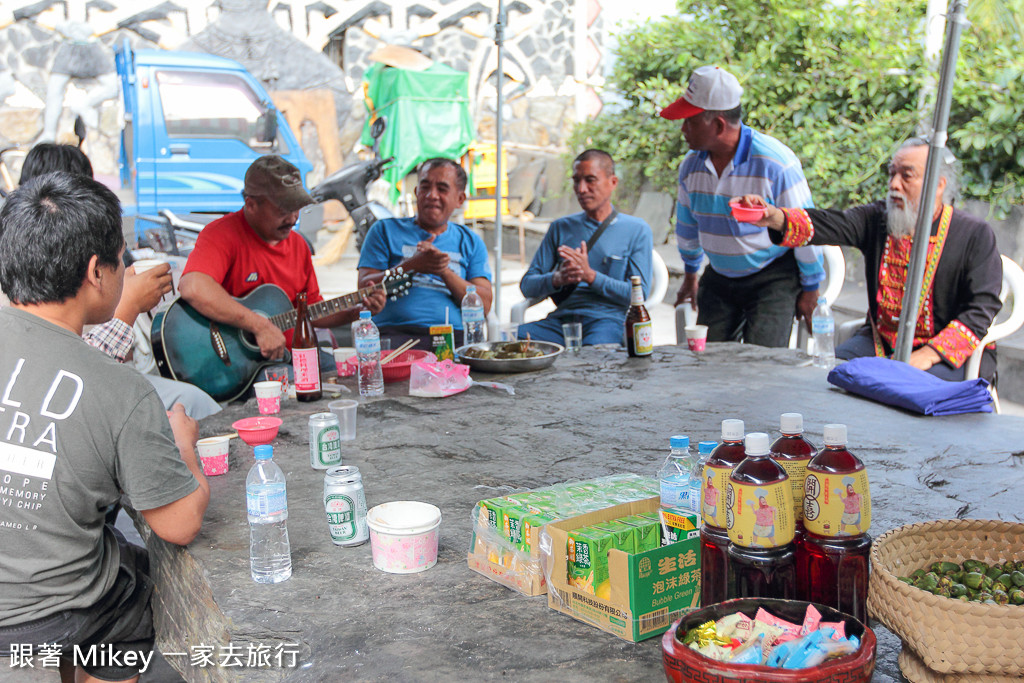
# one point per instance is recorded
(257, 431)
(400, 368)
(685, 665)
(746, 214)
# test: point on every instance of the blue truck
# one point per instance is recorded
(193, 123)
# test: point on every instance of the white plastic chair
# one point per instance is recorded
(659, 285)
(1013, 285)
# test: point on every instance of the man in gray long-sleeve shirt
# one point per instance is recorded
(589, 284)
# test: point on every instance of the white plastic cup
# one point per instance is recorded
(142, 265)
(268, 397)
(697, 337)
(404, 536)
(213, 454)
(573, 335)
(341, 356)
(345, 410)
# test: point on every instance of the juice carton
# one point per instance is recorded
(512, 524)
(587, 565)
(624, 534)
(532, 521)
(676, 525)
(647, 532)
(653, 518)
(443, 341)
(491, 525)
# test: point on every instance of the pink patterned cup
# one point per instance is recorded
(697, 337)
(213, 454)
(268, 397)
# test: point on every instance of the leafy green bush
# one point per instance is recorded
(839, 84)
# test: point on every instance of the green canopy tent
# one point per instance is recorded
(427, 115)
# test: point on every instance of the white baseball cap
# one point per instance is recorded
(711, 89)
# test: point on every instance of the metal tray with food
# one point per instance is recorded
(520, 356)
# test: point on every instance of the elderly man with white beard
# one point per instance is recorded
(963, 272)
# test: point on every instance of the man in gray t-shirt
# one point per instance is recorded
(77, 429)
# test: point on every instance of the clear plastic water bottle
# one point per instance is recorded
(367, 342)
(472, 317)
(266, 501)
(823, 326)
(704, 449)
(675, 474)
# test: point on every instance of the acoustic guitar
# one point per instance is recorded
(223, 360)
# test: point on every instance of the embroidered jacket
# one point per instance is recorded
(963, 274)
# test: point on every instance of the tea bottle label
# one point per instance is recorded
(760, 515)
(837, 504)
(712, 495)
(796, 470)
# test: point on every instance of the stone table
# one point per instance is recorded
(597, 414)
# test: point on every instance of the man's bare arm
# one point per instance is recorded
(208, 297)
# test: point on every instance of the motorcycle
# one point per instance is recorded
(350, 184)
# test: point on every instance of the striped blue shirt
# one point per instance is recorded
(704, 225)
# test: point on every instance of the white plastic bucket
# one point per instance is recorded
(403, 536)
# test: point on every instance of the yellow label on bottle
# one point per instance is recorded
(796, 470)
(712, 494)
(643, 338)
(760, 515)
(837, 504)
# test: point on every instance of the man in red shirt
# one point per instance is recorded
(256, 246)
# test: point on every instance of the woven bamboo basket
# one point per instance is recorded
(916, 672)
(949, 636)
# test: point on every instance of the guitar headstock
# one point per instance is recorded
(396, 283)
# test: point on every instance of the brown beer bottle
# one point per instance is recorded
(639, 331)
(305, 356)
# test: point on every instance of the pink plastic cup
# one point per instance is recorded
(268, 397)
(697, 337)
(213, 455)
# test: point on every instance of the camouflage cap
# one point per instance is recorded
(279, 181)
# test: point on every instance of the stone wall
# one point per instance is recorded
(552, 60)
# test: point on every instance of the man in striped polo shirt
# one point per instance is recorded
(751, 289)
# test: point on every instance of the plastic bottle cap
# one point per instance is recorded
(470, 289)
(364, 315)
(835, 435)
(679, 442)
(732, 430)
(705, 447)
(756, 443)
(264, 452)
(822, 300)
(791, 423)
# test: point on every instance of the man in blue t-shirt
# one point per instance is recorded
(444, 257)
(590, 283)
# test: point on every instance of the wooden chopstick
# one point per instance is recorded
(400, 350)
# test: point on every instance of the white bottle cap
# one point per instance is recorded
(791, 423)
(756, 443)
(835, 435)
(732, 430)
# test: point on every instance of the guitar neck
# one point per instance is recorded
(286, 321)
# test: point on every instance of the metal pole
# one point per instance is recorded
(499, 40)
(926, 208)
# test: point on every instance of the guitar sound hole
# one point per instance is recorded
(249, 339)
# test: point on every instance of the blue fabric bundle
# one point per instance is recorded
(900, 384)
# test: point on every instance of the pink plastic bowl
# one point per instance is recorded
(746, 214)
(257, 431)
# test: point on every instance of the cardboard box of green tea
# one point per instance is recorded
(506, 528)
(620, 580)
